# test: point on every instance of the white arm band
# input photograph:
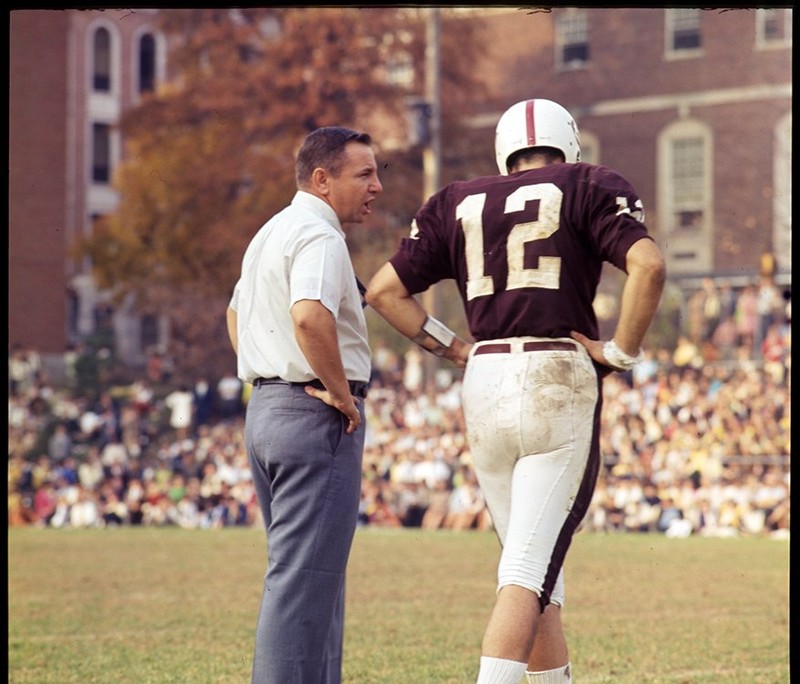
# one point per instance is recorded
(619, 359)
(436, 331)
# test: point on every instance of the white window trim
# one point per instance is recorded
(670, 53)
(115, 55)
(161, 59)
(699, 241)
(761, 42)
(559, 43)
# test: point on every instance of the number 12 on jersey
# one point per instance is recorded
(470, 212)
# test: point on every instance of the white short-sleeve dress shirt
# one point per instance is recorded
(300, 253)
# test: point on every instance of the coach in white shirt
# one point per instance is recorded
(296, 322)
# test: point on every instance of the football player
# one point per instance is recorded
(526, 249)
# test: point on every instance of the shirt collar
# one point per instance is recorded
(319, 207)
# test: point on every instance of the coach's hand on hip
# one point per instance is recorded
(346, 406)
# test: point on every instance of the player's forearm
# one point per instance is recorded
(389, 297)
(640, 295)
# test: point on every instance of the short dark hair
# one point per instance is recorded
(551, 155)
(324, 148)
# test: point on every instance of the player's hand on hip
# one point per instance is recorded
(459, 353)
(595, 349)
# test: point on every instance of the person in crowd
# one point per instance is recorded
(24, 369)
(712, 308)
(203, 400)
(693, 428)
(526, 249)
(467, 506)
(44, 503)
(297, 325)
(59, 446)
(746, 317)
(180, 403)
(724, 339)
(375, 506)
(229, 396)
(769, 309)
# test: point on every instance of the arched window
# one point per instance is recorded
(101, 68)
(685, 202)
(686, 160)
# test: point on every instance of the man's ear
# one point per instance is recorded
(320, 181)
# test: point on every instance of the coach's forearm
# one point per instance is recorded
(231, 318)
(315, 332)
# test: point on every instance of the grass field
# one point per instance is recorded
(162, 606)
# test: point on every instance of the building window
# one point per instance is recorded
(685, 203)
(101, 153)
(683, 31)
(572, 40)
(773, 27)
(147, 63)
(101, 72)
(688, 171)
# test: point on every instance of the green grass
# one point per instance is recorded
(161, 606)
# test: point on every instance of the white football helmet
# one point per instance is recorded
(536, 123)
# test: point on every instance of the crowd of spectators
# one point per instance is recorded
(696, 440)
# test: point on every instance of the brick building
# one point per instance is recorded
(72, 74)
(693, 106)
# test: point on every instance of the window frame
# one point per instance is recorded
(100, 54)
(569, 28)
(675, 21)
(101, 170)
(690, 247)
(762, 16)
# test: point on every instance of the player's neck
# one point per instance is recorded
(528, 165)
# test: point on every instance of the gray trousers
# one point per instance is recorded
(307, 475)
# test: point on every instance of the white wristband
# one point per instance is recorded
(619, 359)
(438, 332)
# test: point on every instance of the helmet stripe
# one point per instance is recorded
(530, 122)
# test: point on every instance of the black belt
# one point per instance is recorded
(543, 345)
(357, 389)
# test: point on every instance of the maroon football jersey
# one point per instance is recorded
(527, 249)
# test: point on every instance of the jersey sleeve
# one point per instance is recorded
(423, 257)
(617, 215)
